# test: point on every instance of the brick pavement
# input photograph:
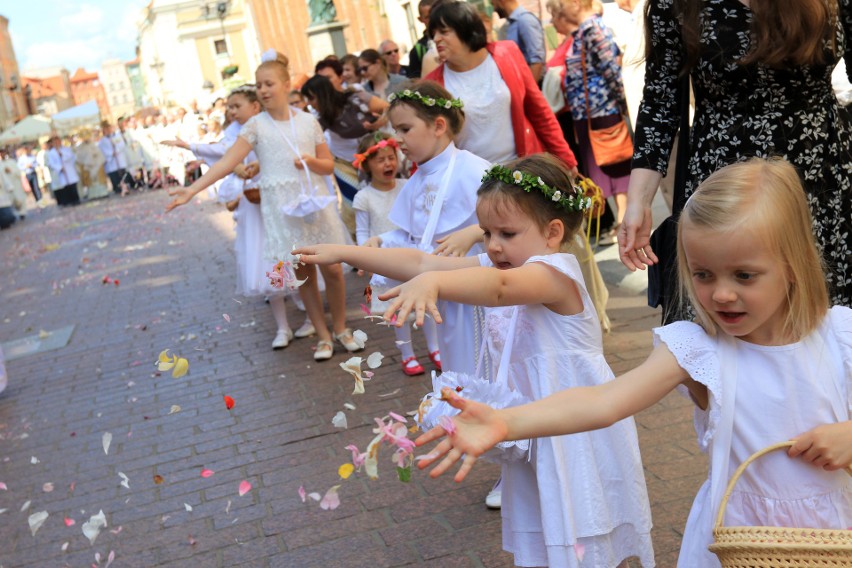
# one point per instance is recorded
(176, 282)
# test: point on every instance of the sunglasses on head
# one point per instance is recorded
(391, 51)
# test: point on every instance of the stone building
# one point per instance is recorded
(13, 102)
(86, 86)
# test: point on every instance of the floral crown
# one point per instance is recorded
(573, 200)
(409, 95)
(382, 143)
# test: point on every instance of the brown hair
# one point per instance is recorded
(367, 141)
(535, 204)
(454, 116)
(372, 56)
(281, 65)
(764, 196)
(784, 33)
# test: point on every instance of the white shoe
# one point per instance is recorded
(494, 499)
(347, 340)
(306, 330)
(282, 339)
(324, 350)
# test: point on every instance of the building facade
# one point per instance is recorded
(48, 90)
(137, 83)
(119, 92)
(13, 102)
(86, 86)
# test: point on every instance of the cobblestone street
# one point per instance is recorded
(169, 285)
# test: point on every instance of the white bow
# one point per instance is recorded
(268, 55)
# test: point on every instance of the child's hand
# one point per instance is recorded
(420, 294)
(240, 171)
(477, 429)
(177, 142)
(828, 446)
(181, 195)
(252, 169)
(375, 242)
(318, 254)
(303, 159)
(458, 243)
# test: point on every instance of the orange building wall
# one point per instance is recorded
(89, 88)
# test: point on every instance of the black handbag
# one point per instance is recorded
(662, 276)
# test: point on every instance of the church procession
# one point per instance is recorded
(485, 283)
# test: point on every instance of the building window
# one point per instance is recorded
(220, 46)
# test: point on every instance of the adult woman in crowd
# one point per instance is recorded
(595, 94)
(762, 86)
(345, 116)
(494, 82)
(377, 79)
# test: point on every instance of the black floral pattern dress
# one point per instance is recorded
(746, 111)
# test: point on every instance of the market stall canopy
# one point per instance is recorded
(86, 114)
(28, 129)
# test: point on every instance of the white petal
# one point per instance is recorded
(36, 520)
(107, 439)
(374, 361)
(188, 507)
(360, 337)
(92, 527)
(339, 420)
(348, 406)
(125, 482)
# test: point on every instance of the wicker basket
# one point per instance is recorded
(777, 547)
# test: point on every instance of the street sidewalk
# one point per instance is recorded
(175, 282)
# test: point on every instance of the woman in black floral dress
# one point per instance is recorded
(748, 102)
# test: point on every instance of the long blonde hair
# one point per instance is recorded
(765, 195)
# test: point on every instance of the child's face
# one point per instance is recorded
(298, 102)
(383, 165)
(739, 282)
(418, 139)
(241, 109)
(511, 236)
(272, 89)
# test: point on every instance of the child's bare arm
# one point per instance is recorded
(580, 409)
(217, 171)
(828, 446)
(321, 164)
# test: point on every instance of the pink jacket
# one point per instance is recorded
(534, 124)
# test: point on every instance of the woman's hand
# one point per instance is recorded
(181, 195)
(476, 430)
(458, 243)
(634, 238)
(420, 295)
(177, 142)
(828, 446)
(318, 254)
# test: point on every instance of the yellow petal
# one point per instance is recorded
(345, 470)
(181, 368)
(164, 356)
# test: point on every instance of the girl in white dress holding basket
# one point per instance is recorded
(568, 501)
(296, 203)
(767, 361)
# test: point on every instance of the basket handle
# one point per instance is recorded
(734, 478)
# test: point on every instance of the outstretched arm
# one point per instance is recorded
(217, 171)
(479, 427)
(396, 263)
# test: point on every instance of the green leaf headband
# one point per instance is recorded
(409, 95)
(573, 200)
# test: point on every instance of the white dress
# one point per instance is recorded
(372, 207)
(586, 488)
(280, 185)
(760, 395)
(411, 212)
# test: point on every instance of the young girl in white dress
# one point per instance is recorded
(766, 361)
(577, 500)
(438, 200)
(290, 149)
(377, 161)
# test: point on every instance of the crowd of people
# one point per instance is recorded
(459, 176)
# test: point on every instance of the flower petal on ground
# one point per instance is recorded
(47, 487)
(181, 368)
(229, 402)
(374, 361)
(397, 417)
(125, 482)
(245, 487)
(174, 408)
(3, 486)
(360, 337)
(188, 507)
(106, 439)
(207, 473)
(70, 522)
(227, 318)
(92, 527)
(345, 470)
(36, 520)
(302, 493)
(348, 406)
(339, 420)
(331, 500)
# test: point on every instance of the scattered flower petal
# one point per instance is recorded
(64, 546)
(125, 482)
(302, 493)
(393, 392)
(174, 408)
(348, 406)
(353, 367)
(245, 487)
(70, 522)
(164, 362)
(345, 470)
(110, 558)
(397, 417)
(25, 506)
(360, 337)
(188, 507)
(106, 440)
(339, 420)
(402, 342)
(447, 424)
(3, 486)
(158, 479)
(36, 520)
(207, 473)
(374, 361)
(331, 500)
(357, 457)
(92, 527)
(315, 496)
(47, 487)
(229, 402)
(181, 368)
(34, 460)
(227, 318)
(580, 551)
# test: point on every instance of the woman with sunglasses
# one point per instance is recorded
(374, 70)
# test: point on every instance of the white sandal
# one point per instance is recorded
(282, 339)
(324, 350)
(307, 329)
(347, 340)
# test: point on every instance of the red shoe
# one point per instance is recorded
(435, 356)
(412, 367)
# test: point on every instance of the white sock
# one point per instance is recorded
(430, 331)
(279, 311)
(404, 334)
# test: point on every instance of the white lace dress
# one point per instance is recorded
(281, 183)
(587, 488)
(760, 395)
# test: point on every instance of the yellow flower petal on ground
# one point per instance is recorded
(345, 470)
(181, 367)
(164, 362)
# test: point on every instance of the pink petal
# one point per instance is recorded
(70, 522)
(365, 309)
(580, 551)
(207, 472)
(245, 487)
(3, 486)
(397, 417)
(447, 424)
(331, 501)
(302, 493)
(227, 318)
